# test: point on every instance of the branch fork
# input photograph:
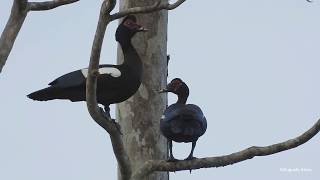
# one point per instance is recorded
(19, 11)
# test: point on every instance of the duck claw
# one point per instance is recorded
(106, 114)
(189, 158)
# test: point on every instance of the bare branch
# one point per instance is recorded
(110, 4)
(47, 5)
(148, 9)
(219, 161)
(91, 86)
(174, 5)
(11, 30)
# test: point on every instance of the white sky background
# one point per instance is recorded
(252, 65)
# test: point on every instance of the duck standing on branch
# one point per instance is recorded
(182, 122)
(116, 83)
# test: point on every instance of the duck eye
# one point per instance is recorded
(129, 23)
(176, 85)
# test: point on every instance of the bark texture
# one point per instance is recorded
(139, 117)
(18, 14)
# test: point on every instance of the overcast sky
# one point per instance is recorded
(251, 65)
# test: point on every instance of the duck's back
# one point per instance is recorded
(183, 123)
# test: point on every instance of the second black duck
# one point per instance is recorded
(182, 122)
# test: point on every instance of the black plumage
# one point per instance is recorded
(182, 122)
(115, 84)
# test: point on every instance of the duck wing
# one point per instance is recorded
(78, 77)
(71, 79)
(183, 122)
(198, 116)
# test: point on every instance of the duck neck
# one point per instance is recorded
(131, 57)
(182, 99)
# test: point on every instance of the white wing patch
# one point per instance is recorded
(114, 72)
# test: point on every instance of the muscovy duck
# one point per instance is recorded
(182, 122)
(116, 83)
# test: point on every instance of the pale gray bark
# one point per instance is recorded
(139, 116)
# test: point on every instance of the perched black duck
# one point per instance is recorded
(182, 122)
(116, 83)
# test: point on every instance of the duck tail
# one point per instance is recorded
(45, 94)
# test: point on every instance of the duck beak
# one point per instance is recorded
(164, 90)
(142, 29)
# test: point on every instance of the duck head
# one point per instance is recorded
(127, 29)
(178, 87)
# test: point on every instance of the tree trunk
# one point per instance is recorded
(139, 116)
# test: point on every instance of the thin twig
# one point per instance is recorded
(47, 5)
(220, 161)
